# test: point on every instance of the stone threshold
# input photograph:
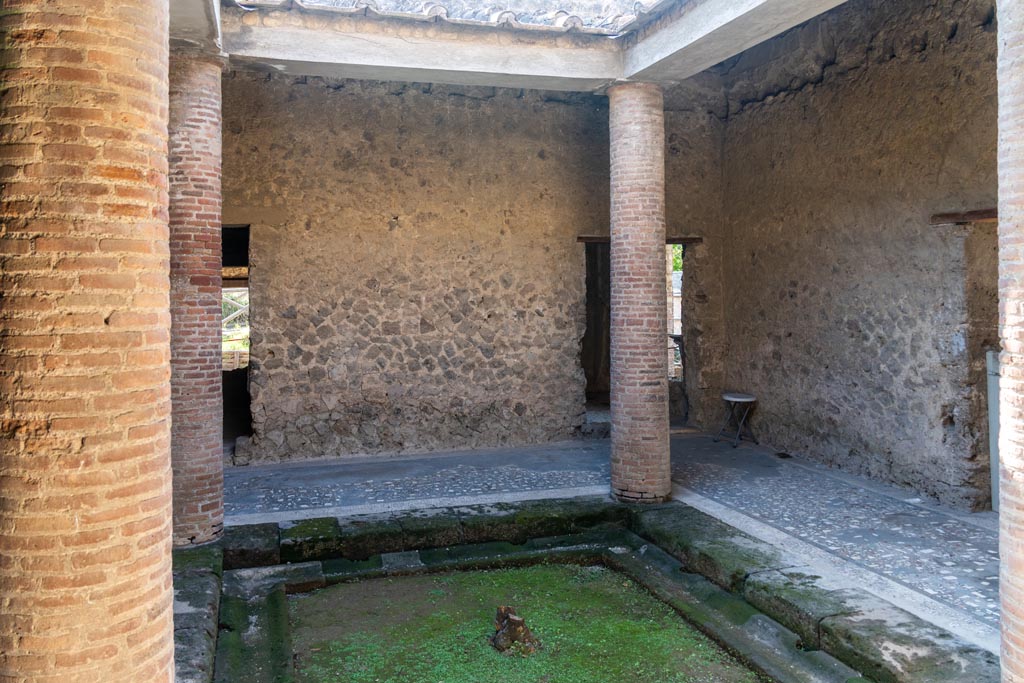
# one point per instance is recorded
(729, 584)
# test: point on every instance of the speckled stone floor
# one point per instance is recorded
(380, 484)
(952, 557)
(908, 550)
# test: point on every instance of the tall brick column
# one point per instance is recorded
(195, 220)
(1011, 322)
(85, 470)
(639, 364)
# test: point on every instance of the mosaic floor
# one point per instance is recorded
(269, 492)
(948, 557)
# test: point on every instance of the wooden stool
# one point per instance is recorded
(737, 402)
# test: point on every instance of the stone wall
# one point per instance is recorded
(848, 315)
(416, 283)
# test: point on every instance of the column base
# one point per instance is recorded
(640, 497)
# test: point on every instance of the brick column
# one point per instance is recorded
(639, 368)
(1011, 322)
(85, 475)
(195, 219)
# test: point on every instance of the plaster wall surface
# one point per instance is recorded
(858, 325)
(416, 283)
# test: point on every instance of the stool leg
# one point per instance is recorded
(729, 415)
(750, 432)
(743, 425)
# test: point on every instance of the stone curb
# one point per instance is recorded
(731, 620)
(197, 598)
(892, 645)
(706, 545)
(865, 632)
(362, 537)
(796, 600)
(254, 643)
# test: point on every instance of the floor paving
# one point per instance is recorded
(938, 563)
(384, 484)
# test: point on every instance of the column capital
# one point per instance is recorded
(634, 86)
(185, 53)
(623, 87)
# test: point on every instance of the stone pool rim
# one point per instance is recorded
(710, 609)
(852, 626)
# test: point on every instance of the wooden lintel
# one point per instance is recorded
(599, 239)
(980, 216)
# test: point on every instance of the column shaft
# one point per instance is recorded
(639, 364)
(195, 242)
(1011, 321)
(85, 476)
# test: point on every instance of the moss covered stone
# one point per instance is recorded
(796, 600)
(436, 529)
(251, 545)
(444, 556)
(254, 644)
(310, 539)
(706, 545)
(204, 558)
(341, 569)
(196, 602)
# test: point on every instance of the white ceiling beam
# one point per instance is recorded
(708, 32)
(488, 60)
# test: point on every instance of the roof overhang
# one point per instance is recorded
(340, 47)
(707, 32)
(690, 37)
(196, 24)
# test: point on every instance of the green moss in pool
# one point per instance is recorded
(595, 625)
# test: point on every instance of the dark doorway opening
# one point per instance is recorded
(235, 333)
(595, 354)
(596, 349)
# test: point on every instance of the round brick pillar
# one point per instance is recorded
(85, 470)
(639, 326)
(197, 431)
(1011, 321)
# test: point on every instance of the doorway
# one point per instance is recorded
(235, 334)
(595, 354)
(595, 351)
